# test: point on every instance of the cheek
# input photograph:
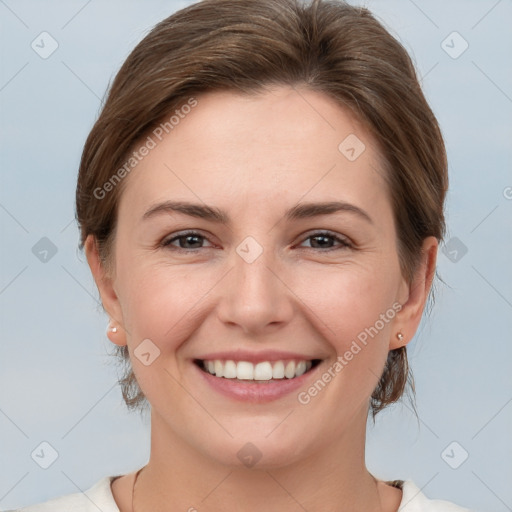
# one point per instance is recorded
(166, 303)
(350, 301)
(160, 305)
(354, 311)
(162, 302)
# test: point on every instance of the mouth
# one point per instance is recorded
(263, 372)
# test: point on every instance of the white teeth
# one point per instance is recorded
(289, 371)
(244, 370)
(230, 370)
(278, 370)
(301, 368)
(219, 368)
(264, 371)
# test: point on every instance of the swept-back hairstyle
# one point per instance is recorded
(245, 46)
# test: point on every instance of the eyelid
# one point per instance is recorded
(166, 242)
(343, 241)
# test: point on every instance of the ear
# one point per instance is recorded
(108, 295)
(413, 296)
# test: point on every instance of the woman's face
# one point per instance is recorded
(255, 274)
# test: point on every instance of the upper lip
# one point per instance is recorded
(256, 357)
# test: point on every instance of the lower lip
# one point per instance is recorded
(250, 391)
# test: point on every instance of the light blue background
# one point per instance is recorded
(56, 380)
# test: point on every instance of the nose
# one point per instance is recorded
(255, 297)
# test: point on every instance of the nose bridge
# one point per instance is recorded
(252, 273)
(254, 297)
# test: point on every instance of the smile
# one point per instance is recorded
(261, 372)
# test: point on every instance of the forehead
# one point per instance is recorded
(278, 145)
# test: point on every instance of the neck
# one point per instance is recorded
(178, 477)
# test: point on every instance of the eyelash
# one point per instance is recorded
(345, 244)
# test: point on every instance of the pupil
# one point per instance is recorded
(323, 238)
(191, 237)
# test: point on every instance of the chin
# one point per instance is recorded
(258, 455)
(262, 449)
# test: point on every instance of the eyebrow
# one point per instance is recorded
(300, 211)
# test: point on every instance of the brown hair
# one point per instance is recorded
(246, 45)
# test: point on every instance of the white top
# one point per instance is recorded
(100, 497)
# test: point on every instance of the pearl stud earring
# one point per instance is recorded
(111, 328)
(400, 336)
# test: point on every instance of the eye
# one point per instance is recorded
(324, 239)
(190, 241)
(187, 241)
